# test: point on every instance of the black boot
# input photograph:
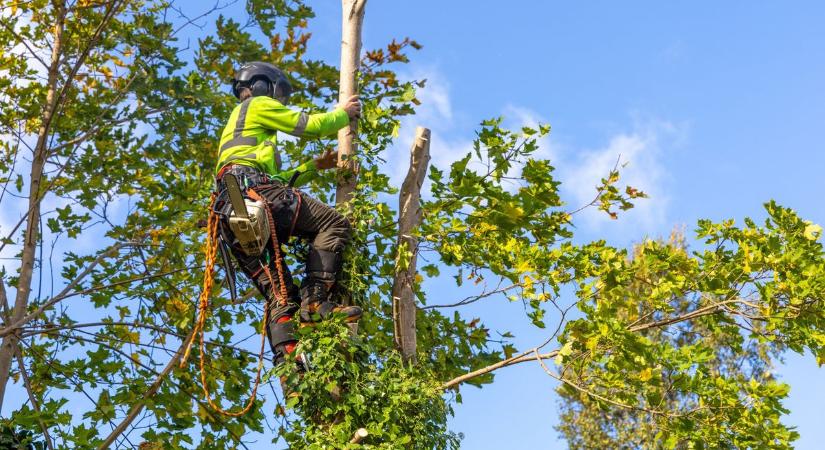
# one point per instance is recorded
(322, 267)
(316, 303)
(282, 340)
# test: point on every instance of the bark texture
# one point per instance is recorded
(8, 349)
(352, 20)
(409, 218)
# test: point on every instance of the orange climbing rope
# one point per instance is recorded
(211, 251)
(276, 247)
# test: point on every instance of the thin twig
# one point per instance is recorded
(63, 294)
(599, 190)
(25, 44)
(591, 393)
(473, 298)
(138, 407)
(35, 406)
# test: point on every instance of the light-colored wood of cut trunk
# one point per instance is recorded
(352, 19)
(359, 435)
(409, 218)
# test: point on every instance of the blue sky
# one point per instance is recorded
(716, 107)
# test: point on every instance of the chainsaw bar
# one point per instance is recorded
(223, 246)
(235, 195)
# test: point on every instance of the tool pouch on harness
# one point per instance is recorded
(284, 203)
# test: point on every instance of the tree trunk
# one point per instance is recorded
(21, 301)
(353, 18)
(409, 218)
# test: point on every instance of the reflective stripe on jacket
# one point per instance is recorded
(249, 136)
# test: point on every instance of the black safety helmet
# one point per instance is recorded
(263, 79)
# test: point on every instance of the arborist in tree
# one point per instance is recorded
(249, 165)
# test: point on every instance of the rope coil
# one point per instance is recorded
(210, 252)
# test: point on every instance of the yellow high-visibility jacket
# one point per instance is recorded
(249, 136)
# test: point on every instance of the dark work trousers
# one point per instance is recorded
(321, 225)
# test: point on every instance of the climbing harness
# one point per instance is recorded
(247, 219)
(213, 243)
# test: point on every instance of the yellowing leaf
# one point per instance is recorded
(528, 282)
(646, 374)
(593, 344)
(524, 266)
(813, 232)
(565, 350)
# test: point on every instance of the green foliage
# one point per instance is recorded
(352, 385)
(136, 130)
(11, 439)
(682, 345)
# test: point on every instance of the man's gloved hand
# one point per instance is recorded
(326, 161)
(353, 107)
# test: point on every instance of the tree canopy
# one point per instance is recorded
(109, 125)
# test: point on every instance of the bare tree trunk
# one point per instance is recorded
(7, 350)
(409, 218)
(353, 18)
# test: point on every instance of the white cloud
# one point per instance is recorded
(435, 113)
(436, 106)
(641, 152)
(640, 146)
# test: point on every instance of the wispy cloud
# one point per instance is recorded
(436, 113)
(640, 150)
(640, 147)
